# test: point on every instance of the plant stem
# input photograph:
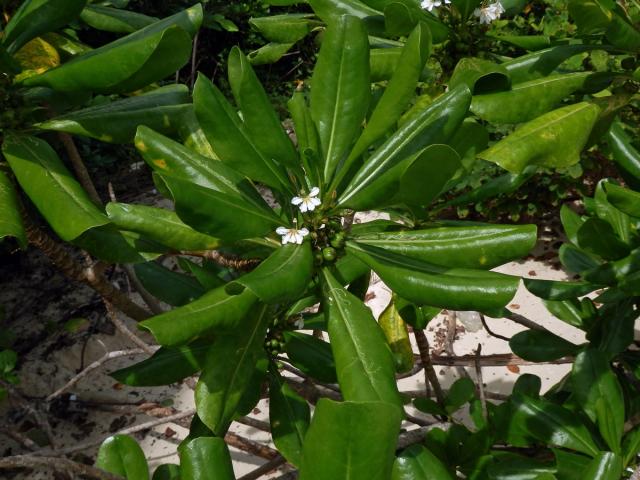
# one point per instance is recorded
(429, 372)
(79, 167)
(58, 464)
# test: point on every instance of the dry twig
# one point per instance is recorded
(122, 328)
(268, 467)
(63, 465)
(79, 167)
(429, 372)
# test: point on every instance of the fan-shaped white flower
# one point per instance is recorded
(489, 13)
(431, 4)
(308, 203)
(292, 235)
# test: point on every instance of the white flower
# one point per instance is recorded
(308, 203)
(431, 4)
(299, 323)
(489, 13)
(292, 235)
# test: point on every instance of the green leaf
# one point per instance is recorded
(10, 217)
(397, 335)
(543, 62)
(340, 99)
(580, 314)
(364, 362)
(541, 346)
(571, 223)
(332, 11)
(630, 445)
(473, 246)
(598, 237)
(624, 153)
(418, 463)
(282, 277)
(35, 17)
(167, 471)
(168, 365)
(171, 287)
(625, 200)
(577, 261)
(354, 440)
(383, 63)
(553, 424)
(620, 221)
(286, 28)
(114, 20)
(434, 124)
(528, 100)
(228, 370)
(598, 391)
(427, 284)
(269, 53)
(116, 122)
(227, 216)
(311, 355)
(526, 42)
(58, 196)
(260, 119)
(556, 290)
(206, 458)
(160, 225)
(214, 312)
(112, 245)
(605, 466)
(553, 140)
(230, 137)
(142, 57)
(121, 455)
(399, 92)
(289, 416)
(306, 134)
(570, 465)
(462, 391)
(480, 76)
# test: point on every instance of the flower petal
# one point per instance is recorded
(297, 200)
(304, 206)
(315, 201)
(304, 232)
(282, 230)
(314, 191)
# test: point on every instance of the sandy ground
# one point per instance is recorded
(100, 406)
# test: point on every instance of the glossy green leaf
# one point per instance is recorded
(289, 416)
(161, 225)
(269, 53)
(579, 313)
(624, 153)
(223, 215)
(383, 63)
(480, 76)
(230, 138)
(228, 370)
(474, 246)
(206, 458)
(193, 137)
(282, 277)
(214, 312)
(397, 334)
(259, 118)
(116, 122)
(399, 91)
(364, 362)
(114, 20)
(171, 287)
(331, 11)
(10, 217)
(571, 223)
(622, 33)
(427, 284)
(141, 58)
(528, 100)
(112, 245)
(554, 139)
(285, 28)
(354, 440)
(599, 393)
(509, 466)
(167, 471)
(168, 365)
(311, 355)
(569, 465)
(399, 18)
(619, 221)
(340, 90)
(121, 455)
(598, 237)
(543, 62)
(630, 445)
(606, 466)
(577, 261)
(35, 17)
(553, 424)
(58, 196)
(541, 346)
(557, 290)
(434, 124)
(625, 200)
(418, 463)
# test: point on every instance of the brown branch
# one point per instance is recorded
(429, 372)
(451, 318)
(254, 423)
(268, 467)
(62, 465)
(489, 331)
(525, 322)
(250, 446)
(122, 328)
(23, 440)
(418, 435)
(496, 360)
(226, 260)
(79, 167)
(69, 267)
(483, 398)
(101, 361)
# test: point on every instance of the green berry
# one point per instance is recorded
(329, 254)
